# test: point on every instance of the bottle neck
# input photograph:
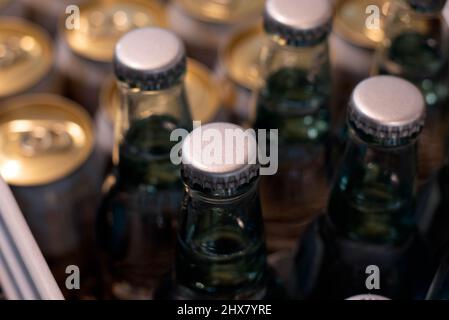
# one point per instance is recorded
(372, 196)
(222, 236)
(312, 60)
(144, 124)
(416, 47)
(294, 95)
(222, 196)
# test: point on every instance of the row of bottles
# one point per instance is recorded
(365, 186)
(215, 245)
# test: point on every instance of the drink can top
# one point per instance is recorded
(240, 57)
(44, 138)
(298, 22)
(352, 24)
(387, 108)
(103, 22)
(222, 11)
(201, 91)
(219, 156)
(26, 55)
(367, 297)
(149, 59)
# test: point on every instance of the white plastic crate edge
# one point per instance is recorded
(24, 273)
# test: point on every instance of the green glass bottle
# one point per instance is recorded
(416, 47)
(370, 219)
(136, 218)
(221, 247)
(294, 99)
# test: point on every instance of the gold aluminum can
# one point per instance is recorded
(201, 89)
(239, 72)
(85, 54)
(204, 25)
(48, 158)
(26, 59)
(47, 13)
(352, 47)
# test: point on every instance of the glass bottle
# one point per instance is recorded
(221, 247)
(294, 98)
(370, 222)
(136, 218)
(432, 213)
(416, 47)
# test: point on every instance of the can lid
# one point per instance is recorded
(201, 90)
(149, 59)
(367, 297)
(219, 156)
(104, 22)
(427, 5)
(350, 22)
(298, 22)
(241, 57)
(222, 11)
(43, 138)
(387, 108)
(25, 55)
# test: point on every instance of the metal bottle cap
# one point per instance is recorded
(298, 22)
(387, 108)
(367, 297)
(201, 89)
(150, 59)
(103, 22)
(26, 55)
(43, 138)
(219, 156)
(427, 5)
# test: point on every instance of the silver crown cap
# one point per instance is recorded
(299, 22)
(387, 107)
(198, 167)
(367, 297)
(149, 58)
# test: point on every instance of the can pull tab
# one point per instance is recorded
(13, 50)
(42, 140)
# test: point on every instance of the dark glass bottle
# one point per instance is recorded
(370, 219)
(221, 246)
(136, 218)
(416, 47)
(432, 213)
(294, 99)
